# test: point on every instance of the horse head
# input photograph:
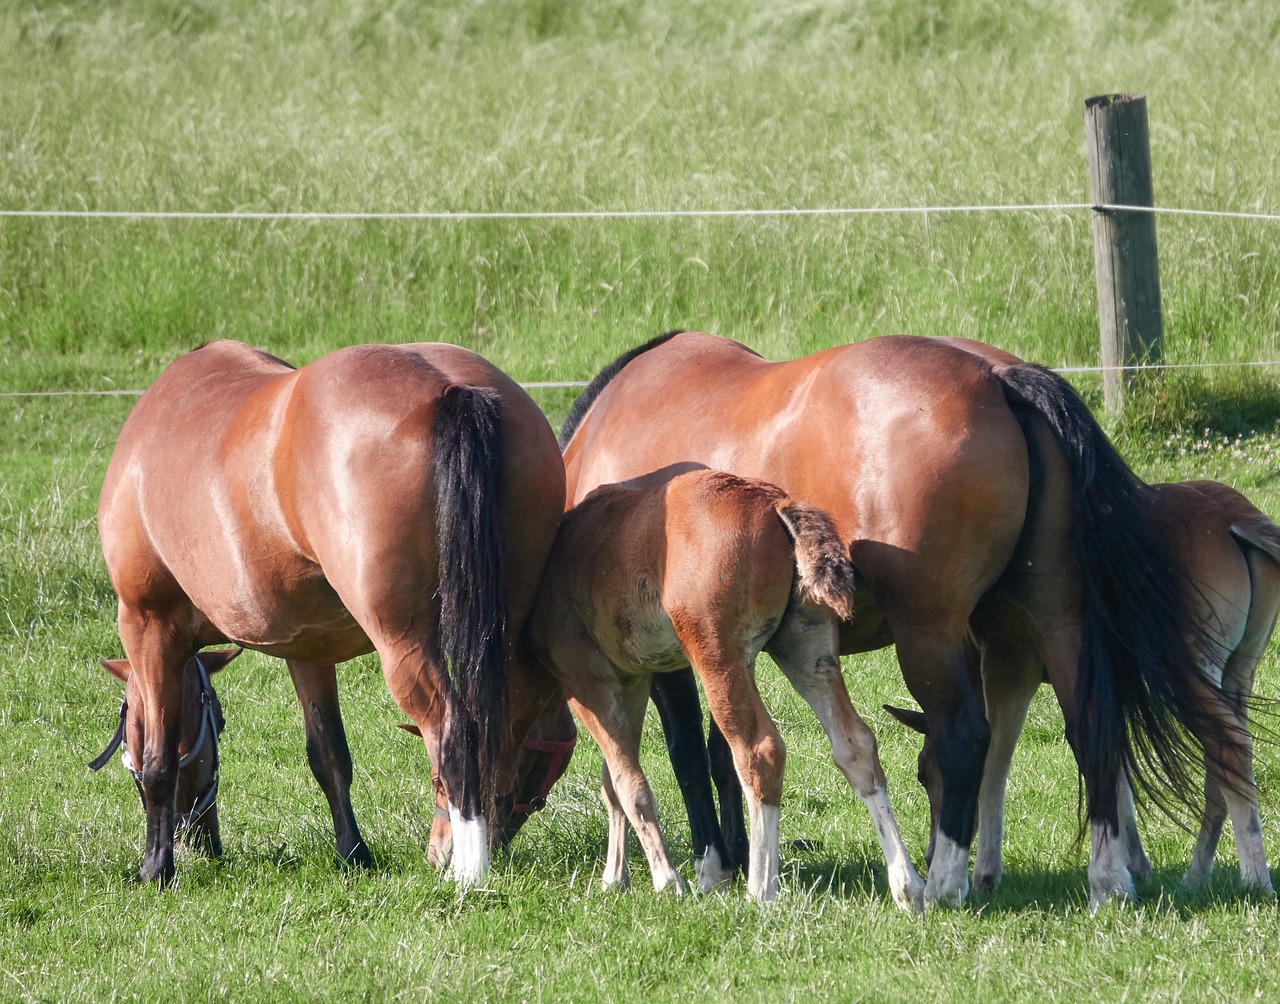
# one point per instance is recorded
(928, 772)
(534, 766)
(202, 723)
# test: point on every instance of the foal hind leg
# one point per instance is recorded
(616, 873)
(613, 712)
(804, 648)
(328, 754)
(675, 695)
(759, 757)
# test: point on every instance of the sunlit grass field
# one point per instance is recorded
(506, 106)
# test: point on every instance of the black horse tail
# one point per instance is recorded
(1144, 704)
(474, 642)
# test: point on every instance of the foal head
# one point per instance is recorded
(202, 723)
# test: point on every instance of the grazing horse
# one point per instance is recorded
(706, 569)
(398, 499)
(202, 723)
(1232, 551)
(976, 491)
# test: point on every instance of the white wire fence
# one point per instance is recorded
(441, 216)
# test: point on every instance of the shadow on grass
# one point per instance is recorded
(1049, 890)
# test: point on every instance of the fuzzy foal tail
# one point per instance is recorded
(1144, 705)
(473, 600)
(824, 571)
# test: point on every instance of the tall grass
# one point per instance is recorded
(556, 105)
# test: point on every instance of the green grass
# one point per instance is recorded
(554, 105)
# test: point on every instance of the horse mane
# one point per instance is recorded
(598, 383)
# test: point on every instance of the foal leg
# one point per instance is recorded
(328, 754)
(805, 650)
(616, 873)
(759, 756)
(613, 712)
(675, 695)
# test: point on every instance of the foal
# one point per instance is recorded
(1232, 551)
(705, 569)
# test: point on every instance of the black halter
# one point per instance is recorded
(208, 727)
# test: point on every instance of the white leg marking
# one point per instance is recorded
(711, 871)
(1109, 876)
(470, 848)
(905, 884)
(764, 865)
(948, 883)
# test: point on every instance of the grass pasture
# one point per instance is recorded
(522, 105)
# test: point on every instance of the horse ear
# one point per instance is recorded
(410, 727)
(218, 658)
(119, 668)
(913, 720)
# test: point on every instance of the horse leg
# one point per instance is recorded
(733, 829)
(158, 657)
(1229, 785)
(1135, 854)
(328, 754)
(1011, 672)
(1211, 822)
(804, 648)
(934, 669)
(203, 835)
(759, 756)
(1237, 785)
(675, 695)
(613, 712)
(616, 873)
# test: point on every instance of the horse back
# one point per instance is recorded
(908, 443)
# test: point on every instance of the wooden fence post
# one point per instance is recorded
(1124, 242)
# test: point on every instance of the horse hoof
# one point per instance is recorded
(360, 857)
(986, 881)
(1116, 894)
(711, 871)
(163, 877)
(673, 882)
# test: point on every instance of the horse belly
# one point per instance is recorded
(300, 619)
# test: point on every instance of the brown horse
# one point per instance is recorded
(1232, 551)
(196, 800)
(706, 569)
(976, 491)
(397, 499)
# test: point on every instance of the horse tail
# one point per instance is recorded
(474, 642)
(824, 570)
(1144, 704)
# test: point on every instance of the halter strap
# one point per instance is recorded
(562, 751)
(103, 758)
